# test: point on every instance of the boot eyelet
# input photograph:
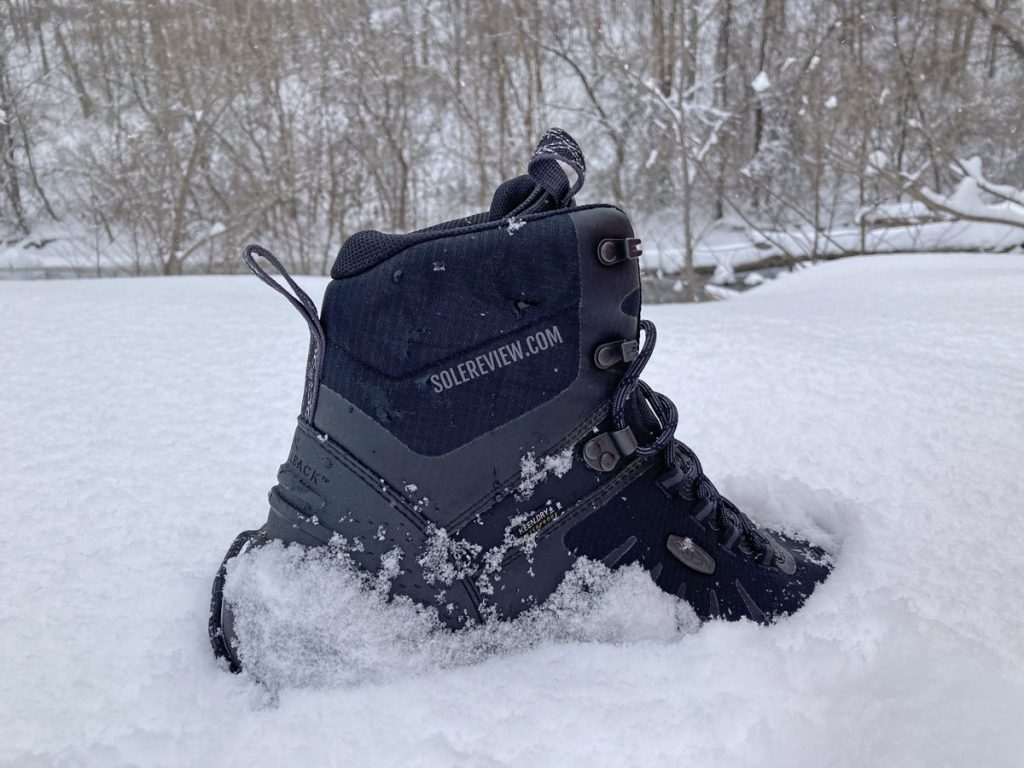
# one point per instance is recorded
(613, 251)
(614, 352)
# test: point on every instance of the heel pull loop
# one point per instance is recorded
(301, 301)
(556, 146)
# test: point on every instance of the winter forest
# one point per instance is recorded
(156, 136)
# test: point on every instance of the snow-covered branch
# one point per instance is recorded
(967, 202)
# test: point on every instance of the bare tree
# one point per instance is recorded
(163, 133)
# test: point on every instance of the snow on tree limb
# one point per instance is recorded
(966, 200)
(965, 203)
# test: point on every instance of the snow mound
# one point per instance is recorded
(309, 618)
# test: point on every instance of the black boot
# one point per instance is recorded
(473, 408)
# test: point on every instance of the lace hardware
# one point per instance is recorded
(707, 507)
(671, 479)
(614, 352)
(613, 251)
(604, 451)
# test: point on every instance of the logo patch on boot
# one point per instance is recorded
(495, 359)
(529, 525)
(689, 554)
(306, 471)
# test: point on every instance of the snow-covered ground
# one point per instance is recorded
(877, 403)
(739, 246)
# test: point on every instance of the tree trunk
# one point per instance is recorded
(12, 187)
(689, 271)
(722, 101)
(84, 101)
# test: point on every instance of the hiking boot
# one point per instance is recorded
(473, 420)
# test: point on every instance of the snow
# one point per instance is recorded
(752, 279)
(761, 83)
(534, 471)
(514, 225)
(877, 159)
(313, 622)
(446, 559)
(723, 275)
(718, 293)
(921, 232)
(908, 211)
(874, 403)
(969, 197)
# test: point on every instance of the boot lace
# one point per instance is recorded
(662, 418)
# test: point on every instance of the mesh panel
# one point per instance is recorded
(438, 305)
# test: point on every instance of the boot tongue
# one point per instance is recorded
(546, 185)
(511, 195)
